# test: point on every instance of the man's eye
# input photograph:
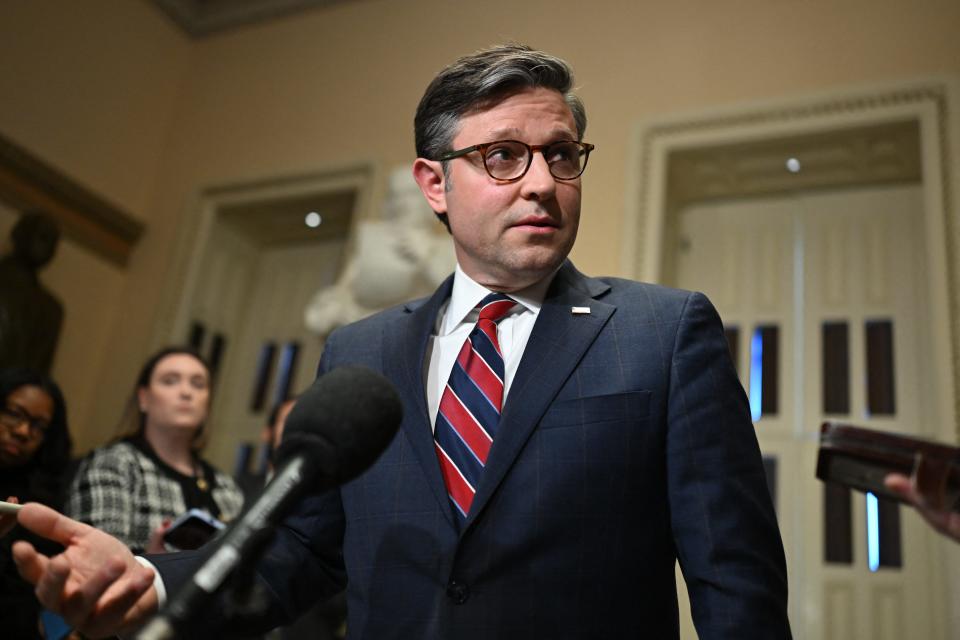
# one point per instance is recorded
(562, 153)
(501, 154)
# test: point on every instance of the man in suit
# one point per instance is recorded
(609, 439)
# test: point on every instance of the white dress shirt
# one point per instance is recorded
(455, 321)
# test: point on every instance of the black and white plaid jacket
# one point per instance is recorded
(127, 493)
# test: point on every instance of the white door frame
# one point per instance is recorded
(933, 103)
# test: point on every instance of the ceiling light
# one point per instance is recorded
(793, 165)
(313, 219)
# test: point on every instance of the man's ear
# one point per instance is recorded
(432, 183)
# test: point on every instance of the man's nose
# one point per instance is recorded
(538, 183)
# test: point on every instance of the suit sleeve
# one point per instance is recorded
(723, 521)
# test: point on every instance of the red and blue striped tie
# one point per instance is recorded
(470, 406)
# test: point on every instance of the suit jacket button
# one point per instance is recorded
(458, 592)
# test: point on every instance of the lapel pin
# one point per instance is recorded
(580, 310)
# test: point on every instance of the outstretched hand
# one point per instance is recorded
(95, 584)
(945, 521)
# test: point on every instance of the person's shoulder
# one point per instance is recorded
(390, 313)
(121, 453)
(362, 342)
(653, 302)
(117, 449)
(118, 464)
(375, 323)
(617, 289)
(647, 288)
(623, 290)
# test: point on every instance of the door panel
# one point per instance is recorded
(252, 296)
(843, 269)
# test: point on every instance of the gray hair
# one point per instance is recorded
(480, 80)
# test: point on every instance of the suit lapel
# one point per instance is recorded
(557, 343)
(405, 348)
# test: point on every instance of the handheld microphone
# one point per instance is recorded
(335, 431)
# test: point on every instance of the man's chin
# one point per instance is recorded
(529, 272)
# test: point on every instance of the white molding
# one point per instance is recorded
(200, 215)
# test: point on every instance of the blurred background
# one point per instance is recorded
(797, 161)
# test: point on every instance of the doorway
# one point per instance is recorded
(818, 234)
(261, 252)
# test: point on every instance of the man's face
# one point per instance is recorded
(508, 235)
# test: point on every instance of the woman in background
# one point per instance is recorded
(134, 487)
(34, 458)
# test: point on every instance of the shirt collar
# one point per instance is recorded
(467, 292)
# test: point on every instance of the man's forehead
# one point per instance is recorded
(512, 113)
(506, 133)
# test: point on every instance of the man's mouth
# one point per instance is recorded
(536, 221)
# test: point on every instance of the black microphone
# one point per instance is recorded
(336, 430)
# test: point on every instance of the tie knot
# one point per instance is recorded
(495, 306)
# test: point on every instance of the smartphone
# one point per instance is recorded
(191, 530)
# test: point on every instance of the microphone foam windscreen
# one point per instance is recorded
(352, 412)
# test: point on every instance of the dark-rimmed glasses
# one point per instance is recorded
(509, 160)
(13, 418)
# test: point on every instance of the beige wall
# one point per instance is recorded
(91, 88)
(111, 93)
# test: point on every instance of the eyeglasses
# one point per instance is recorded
(13, 418)
(509, 160)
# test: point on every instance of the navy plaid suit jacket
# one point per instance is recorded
(625, 444)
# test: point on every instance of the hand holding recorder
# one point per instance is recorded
(945, 521)
(919, 472)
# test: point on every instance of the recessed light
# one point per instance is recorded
(313, 219)
(793, 165)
